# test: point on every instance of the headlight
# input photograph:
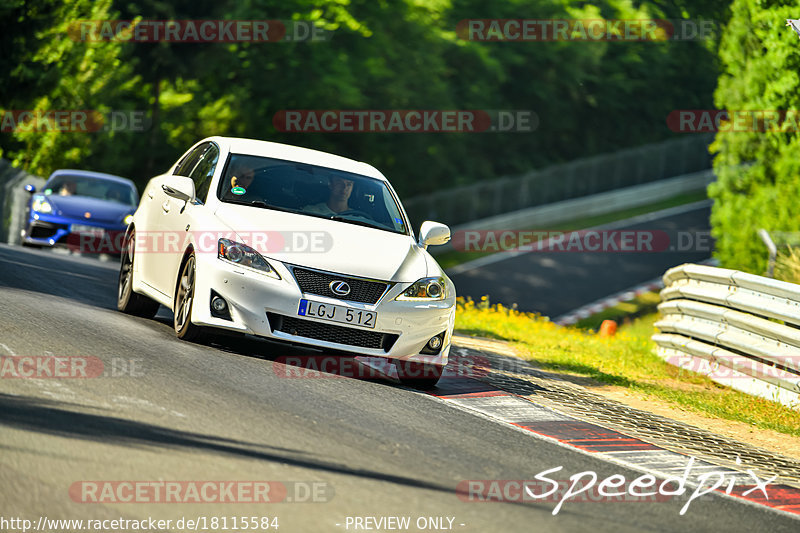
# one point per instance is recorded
(41, 205)
(243, 255)
(127, 220)
(425, 289)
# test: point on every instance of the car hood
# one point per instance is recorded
(326, 244)
(99, 210)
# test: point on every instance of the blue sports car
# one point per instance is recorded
(88, 211)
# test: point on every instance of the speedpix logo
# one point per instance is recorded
(587, 486)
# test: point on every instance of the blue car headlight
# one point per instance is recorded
(127, 220)
(41, 205)
(425, 289)
(242, 255)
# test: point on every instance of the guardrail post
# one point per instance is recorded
(771, 248)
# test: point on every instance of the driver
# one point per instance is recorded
(68, 188)
(338, 198)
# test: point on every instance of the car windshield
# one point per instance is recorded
(311, 190)
(102, 189)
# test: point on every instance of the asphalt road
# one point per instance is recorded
(556, 282)
(224, 412)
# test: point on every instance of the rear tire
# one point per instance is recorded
(418, 375)
(127, 300)
(184, 298)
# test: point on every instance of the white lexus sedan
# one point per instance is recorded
(292, 245)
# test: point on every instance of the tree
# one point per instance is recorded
(757, 167)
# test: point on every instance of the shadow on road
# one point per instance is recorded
(44, 416)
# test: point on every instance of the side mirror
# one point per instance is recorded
(30, 188)
(179, 187)
(433, 233)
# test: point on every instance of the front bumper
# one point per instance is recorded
(44, 230)
(263, 306)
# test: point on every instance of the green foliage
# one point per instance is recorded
(591, 97)
(627, 359)
(760, 58)
(787, 265)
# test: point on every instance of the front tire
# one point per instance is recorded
(184, 298)
(418, 375)
(127, 300)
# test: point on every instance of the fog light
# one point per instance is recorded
(219, 305)
(434, 343)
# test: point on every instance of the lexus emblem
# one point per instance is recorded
(342, 288)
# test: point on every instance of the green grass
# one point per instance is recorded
(455, 257)
(626, 359)
(623, 312)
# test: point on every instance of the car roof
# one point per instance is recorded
(296, 153)
(90, 174)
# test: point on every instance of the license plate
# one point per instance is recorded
(338, 313)
(92, 230)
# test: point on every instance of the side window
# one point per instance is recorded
(185, 167)
(204, 171)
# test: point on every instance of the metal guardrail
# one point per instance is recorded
(13, 200)
(739, 329)
(581, 177)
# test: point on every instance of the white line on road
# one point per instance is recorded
(144, 404)
(6, 348)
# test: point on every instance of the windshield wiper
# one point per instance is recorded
(262, 204)
(355, 221)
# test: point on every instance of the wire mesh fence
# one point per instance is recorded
(577, 178)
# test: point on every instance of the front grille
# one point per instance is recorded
(361, 290)
(331, 333)
(44, 230)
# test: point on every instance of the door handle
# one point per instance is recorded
(165, 206)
